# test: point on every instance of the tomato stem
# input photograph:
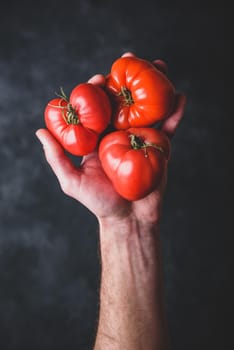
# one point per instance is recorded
(69, 114)
(138, 143)
(128, 100)
(62, 95)
(159, 148)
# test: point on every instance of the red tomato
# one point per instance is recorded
(134, 160)
(141, 94)
(77, 123)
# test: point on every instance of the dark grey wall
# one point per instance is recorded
(49, 266)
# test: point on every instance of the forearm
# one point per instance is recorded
(132, 313)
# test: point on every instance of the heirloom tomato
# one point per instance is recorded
(141, 94)
(134, 160)
(76, 123)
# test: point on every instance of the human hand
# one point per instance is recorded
(88, 183)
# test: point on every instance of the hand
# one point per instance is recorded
(88, 183)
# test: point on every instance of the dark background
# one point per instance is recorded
(49, 265)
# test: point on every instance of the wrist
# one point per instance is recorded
(129, 241)
(121, 228)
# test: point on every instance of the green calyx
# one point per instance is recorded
(71, 116)
(68, 112)
(138, 143)
(127, 96)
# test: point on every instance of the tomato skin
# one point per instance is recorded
(134, 172)
(91, 111)
(92, 105)
(151, 97)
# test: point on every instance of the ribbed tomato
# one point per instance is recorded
(76, 123)
(141, 94)
(134, 160)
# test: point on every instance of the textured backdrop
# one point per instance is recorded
(49, 265)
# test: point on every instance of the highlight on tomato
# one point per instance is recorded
(134, 160)
(141, 95)
(77, 122)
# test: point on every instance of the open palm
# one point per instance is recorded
(88, 183)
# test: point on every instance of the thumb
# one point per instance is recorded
(61, 165)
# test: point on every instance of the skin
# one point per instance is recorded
(132, 315)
